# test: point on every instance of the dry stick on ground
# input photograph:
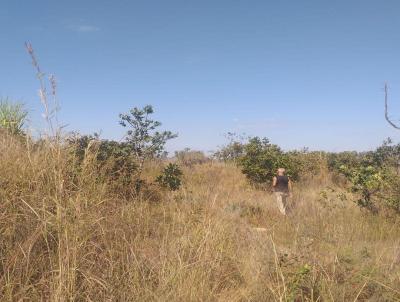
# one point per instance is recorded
(386, 110)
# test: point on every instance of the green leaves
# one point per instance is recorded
(375, 187)
(373, 176)
(115, 158)
(12, 116)
(142, 136)
(261, 159)
(171, 177)
(234, 149)
(145, 142)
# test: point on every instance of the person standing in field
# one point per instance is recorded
(282, 189)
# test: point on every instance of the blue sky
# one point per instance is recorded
(302, 73)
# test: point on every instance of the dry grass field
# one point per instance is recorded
(71, 236)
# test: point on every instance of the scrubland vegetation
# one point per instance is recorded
(77, 224)
(88, 219)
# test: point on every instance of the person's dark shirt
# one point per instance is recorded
(282, 184)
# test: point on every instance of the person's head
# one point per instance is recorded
(281, 171)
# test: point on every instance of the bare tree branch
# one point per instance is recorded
(386, 109)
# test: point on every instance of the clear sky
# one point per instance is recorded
(302, 73)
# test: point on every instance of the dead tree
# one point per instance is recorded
(391, 122)
(386, 110)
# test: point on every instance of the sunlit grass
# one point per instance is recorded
(66, 235)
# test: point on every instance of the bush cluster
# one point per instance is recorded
(261, 159)
(189, 157)
(373, 176)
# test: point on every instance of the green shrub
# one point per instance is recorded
(387, 154)
(366, 182)
(299, 284)
(233, 150)
(391, 189)
(143, 138)
(12, 116)
(309, 163)
(261, 159)
(374, 176)
(350, 159)
(113, 159)
(171, 177)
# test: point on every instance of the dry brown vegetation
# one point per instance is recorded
(69, 235)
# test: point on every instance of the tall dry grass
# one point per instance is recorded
(67, 235)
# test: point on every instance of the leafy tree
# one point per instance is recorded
(261, 159)
(142, 137)
(12, 116)
(366, 182)
(347, 158)
(374, 177)
(233, 150)
(309, 163)
(171, 177)
(391, 191)
(387, 155)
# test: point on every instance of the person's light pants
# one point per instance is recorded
(281, 200)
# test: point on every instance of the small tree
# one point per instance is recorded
(171, 177)
(234, 149)
(367, 182)
(143, 138)
(261, 159)
(374, 177)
